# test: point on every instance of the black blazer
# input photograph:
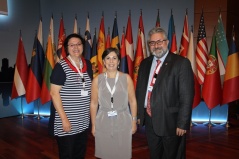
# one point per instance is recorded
(172, 95)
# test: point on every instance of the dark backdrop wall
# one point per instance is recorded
(24, 15)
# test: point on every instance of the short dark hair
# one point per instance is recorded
(74, 35)
(109, 50)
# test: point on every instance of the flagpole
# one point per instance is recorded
(210, 115)
(209, 123)
(38, 110)
(38, 114)
(227, 122)
(22, 114)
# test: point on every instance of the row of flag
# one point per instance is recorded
(216, 72)
(208, 66)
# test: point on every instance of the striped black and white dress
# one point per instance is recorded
(76, 106)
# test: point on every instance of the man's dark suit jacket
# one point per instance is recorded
(172, 95)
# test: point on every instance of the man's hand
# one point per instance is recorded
(138, 121)
(180, 132)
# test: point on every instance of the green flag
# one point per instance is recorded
(222, 46)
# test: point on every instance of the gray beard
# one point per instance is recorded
(159, 54)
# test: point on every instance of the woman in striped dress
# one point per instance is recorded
(70, 92)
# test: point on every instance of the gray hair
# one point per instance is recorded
(157, 30)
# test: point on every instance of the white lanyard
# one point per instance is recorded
(79, 72)
(112, 91)
(154, 76)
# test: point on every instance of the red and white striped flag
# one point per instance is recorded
(20, 73)
(201, 51)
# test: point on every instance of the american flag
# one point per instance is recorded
(201, 51)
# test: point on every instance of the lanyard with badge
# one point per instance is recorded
(112, 91)
(156, 71)
(83, 92)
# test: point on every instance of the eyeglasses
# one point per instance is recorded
(73, 45)
(159, 42)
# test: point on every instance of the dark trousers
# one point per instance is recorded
(163, 147)
(72, 146)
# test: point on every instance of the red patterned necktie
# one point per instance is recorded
(148, 109)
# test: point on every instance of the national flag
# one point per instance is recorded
(35, 74)
(158, 20)
(123, 61)
(139, 56)
(108, 43)
(115, 35)
(211, 90)
(129, 46)
(231, 78)
(201, 51)
(88, 40)
(61, 38)
(93, 59)
(141, 29)
(40, 46)
(192, 57)
(48, 67)
(52, 39)
(172, 46)
(184, 39)
(101, 44)
(222, 46)
(75, 25)
(20, 73)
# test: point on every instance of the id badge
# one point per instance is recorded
(84, 93)
(112, 113)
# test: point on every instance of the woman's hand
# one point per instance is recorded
(66, 125)
(93, 130)
(134, 126)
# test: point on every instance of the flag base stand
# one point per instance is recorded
(225, 124)
(209, 124)
(193, 124)
(22, 116)
(38, 117)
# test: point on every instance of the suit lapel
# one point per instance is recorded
(148, 67)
